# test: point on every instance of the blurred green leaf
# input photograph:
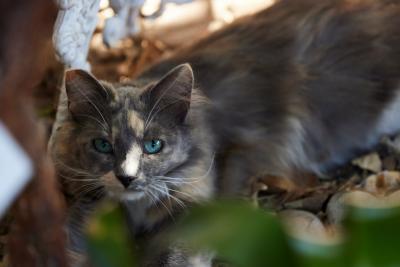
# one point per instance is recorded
(373, 237)
(245, 236)
(109, 241)
(238, 232)
(309, 254)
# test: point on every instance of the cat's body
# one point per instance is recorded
(298, 88)
(301, 86)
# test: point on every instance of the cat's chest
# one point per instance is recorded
(143, 219)
(389, 122)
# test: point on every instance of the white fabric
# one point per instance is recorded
(73, 30)
(76, 22)
(15, 169)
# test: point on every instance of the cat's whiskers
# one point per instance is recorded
(177, 183)
(186, 180)
(84, 186)
(177, 180)
(153, 198)
(165, 191)
(74, 170)
(93, 104)
(87, 178)
(88, 182)
(160, 191)
(191, 198)
(99, 193)
(73, 177)
(105, 127)
(170, 196)
(85, 189)
(156, 199)
(161, 201)
(148, 122)
(80, 194)
(85, 181)
(158, 102)
(64, 177)
(178, 201)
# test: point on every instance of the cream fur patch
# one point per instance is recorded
(135, 122)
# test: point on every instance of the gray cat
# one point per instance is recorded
(298, 88)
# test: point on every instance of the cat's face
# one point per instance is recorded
(128, 141)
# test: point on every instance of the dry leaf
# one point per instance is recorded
(370, 162)
(313, 203)
(335, 208)
(373, 194)
(307, 226)
(382, 183)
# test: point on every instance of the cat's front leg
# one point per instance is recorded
(78, 214)
(180, 256)
(78, 259)
(235, 174)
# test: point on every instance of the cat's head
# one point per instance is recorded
(131, 142)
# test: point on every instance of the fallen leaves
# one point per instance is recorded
(316, 213)
(307, 226)
(370, 162)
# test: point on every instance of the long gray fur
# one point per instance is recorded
(298, 88)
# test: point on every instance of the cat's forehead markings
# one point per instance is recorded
(129, 92)
(136, 122)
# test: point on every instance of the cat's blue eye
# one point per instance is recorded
(102, 145)
(152, 146)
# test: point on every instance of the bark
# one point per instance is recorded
(37, 237)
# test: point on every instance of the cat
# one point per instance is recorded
(300, 87)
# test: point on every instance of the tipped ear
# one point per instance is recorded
(171, 95)
(86, 95)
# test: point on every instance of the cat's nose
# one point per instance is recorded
(125, 180)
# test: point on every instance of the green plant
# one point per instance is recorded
(245, 236)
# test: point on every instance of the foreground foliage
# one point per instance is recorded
(245, 236)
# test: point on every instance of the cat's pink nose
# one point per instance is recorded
(125, 180)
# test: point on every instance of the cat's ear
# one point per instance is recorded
(87, 97)
(171, 95)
